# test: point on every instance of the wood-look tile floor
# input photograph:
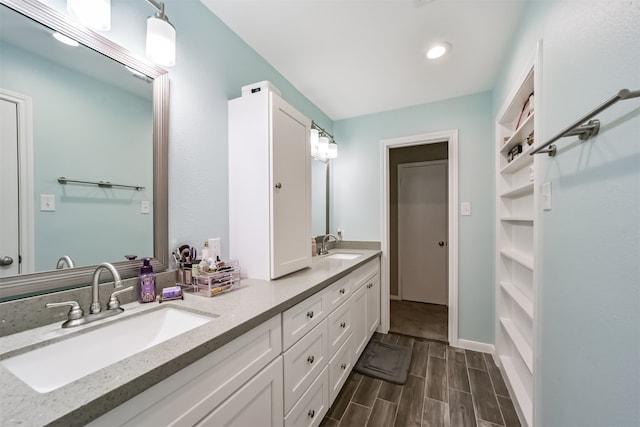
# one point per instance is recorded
(446, 386)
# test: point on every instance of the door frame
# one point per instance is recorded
(417, 164)
(24, 105)
(451, 138)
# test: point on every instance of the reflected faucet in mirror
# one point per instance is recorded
(65, 260)
(325, 240)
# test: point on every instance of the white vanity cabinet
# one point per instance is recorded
(365, 305)
(269, 186)
(241, 380)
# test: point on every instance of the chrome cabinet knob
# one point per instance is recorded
(7, 260)
(343, 366)
(343, 325)
(311, 359)
(441, 243)
(279, 185)
(311, 413)
(310, 314)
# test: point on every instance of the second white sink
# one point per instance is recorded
(344, 255)
(47, 368)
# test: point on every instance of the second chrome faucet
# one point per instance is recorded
(76, 315)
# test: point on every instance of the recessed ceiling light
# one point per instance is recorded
(437, 50)
(66, 40)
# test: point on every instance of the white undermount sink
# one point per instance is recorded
(47, 368)
(344, 255)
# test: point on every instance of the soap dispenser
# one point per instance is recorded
(146, 286)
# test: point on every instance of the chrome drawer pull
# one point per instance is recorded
(310, 314)
(343, 366)
(311, 413)
(310, 359)
(343, 325)
(342, 291)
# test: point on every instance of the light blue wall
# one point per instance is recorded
(357, 195)
(84, 129)
(588, 352)
(212, 65)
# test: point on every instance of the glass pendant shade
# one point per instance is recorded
(332, 152)
(92, 13)
(315, 136)
(161, 41)
(323, 147)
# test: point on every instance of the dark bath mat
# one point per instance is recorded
(389, 362)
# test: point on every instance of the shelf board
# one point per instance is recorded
(518, 191)
(519, 341)
(519, 135)
(519, 162)
(522, 398)
(519, 297)
(524, 260)
(517, 219)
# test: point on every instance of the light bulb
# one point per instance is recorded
(315, 135)
(161, 41)
(438, 50)
(92, 13)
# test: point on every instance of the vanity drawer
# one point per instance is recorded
(303, 362)
(303, 317)
(339, 368)
(310, 409)
(360, 276)
(337, 293)
(339, 327)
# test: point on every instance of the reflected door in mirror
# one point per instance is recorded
(9, 226)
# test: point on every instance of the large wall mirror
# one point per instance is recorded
(320, 195)
(92, 113)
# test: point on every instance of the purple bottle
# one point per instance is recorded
(146, 287)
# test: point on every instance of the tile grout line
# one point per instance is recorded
(473, 399)
(493, 387)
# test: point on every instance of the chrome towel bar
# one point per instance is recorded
(584, 130)
(104, 184)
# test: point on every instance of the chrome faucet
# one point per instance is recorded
(323, 247)
(95, 303)
(65, 260)
(76, 316)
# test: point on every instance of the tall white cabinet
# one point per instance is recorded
(269, 185)
(516, 212)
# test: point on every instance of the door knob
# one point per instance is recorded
(441, 243)
(7, 260)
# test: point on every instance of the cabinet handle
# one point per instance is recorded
(311, 413)
(343, 325)
(310, 314)
(6, 260)
(441, 243)
(310, 359)
(279, 185)
(343, 366)
(342, 291)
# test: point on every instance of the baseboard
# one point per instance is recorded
(395, 297)
(476, 346)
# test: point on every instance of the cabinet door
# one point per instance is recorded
(257, 403)
(359, 321)
(373, 304)
(290, 189)
(339, 327)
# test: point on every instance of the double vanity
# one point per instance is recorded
(268, 353)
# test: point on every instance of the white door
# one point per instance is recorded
(9, 214)
(422, 232)
(291, 189)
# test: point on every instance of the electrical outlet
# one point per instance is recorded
(215, 248)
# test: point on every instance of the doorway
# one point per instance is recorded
(16, 184)
(446, 142)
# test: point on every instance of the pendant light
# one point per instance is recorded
(161, 37)
(92, 13)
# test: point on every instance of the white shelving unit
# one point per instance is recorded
(516, 207)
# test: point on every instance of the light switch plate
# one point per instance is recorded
(145, 206)
(47, 202)
(215, 248)
(465, 208)
(546, 196)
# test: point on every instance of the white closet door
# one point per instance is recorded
(422, 231)
(9, 214)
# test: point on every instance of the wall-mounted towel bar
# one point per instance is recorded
(584, 130)
(104, 184)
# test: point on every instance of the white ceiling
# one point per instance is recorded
(356, 57)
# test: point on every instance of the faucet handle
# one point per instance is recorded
(114, 304)
(75, 312)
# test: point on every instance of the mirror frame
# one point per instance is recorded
(23, 285)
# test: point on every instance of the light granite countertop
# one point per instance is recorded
(77, 403)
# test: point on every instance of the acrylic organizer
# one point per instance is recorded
(225, 279)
